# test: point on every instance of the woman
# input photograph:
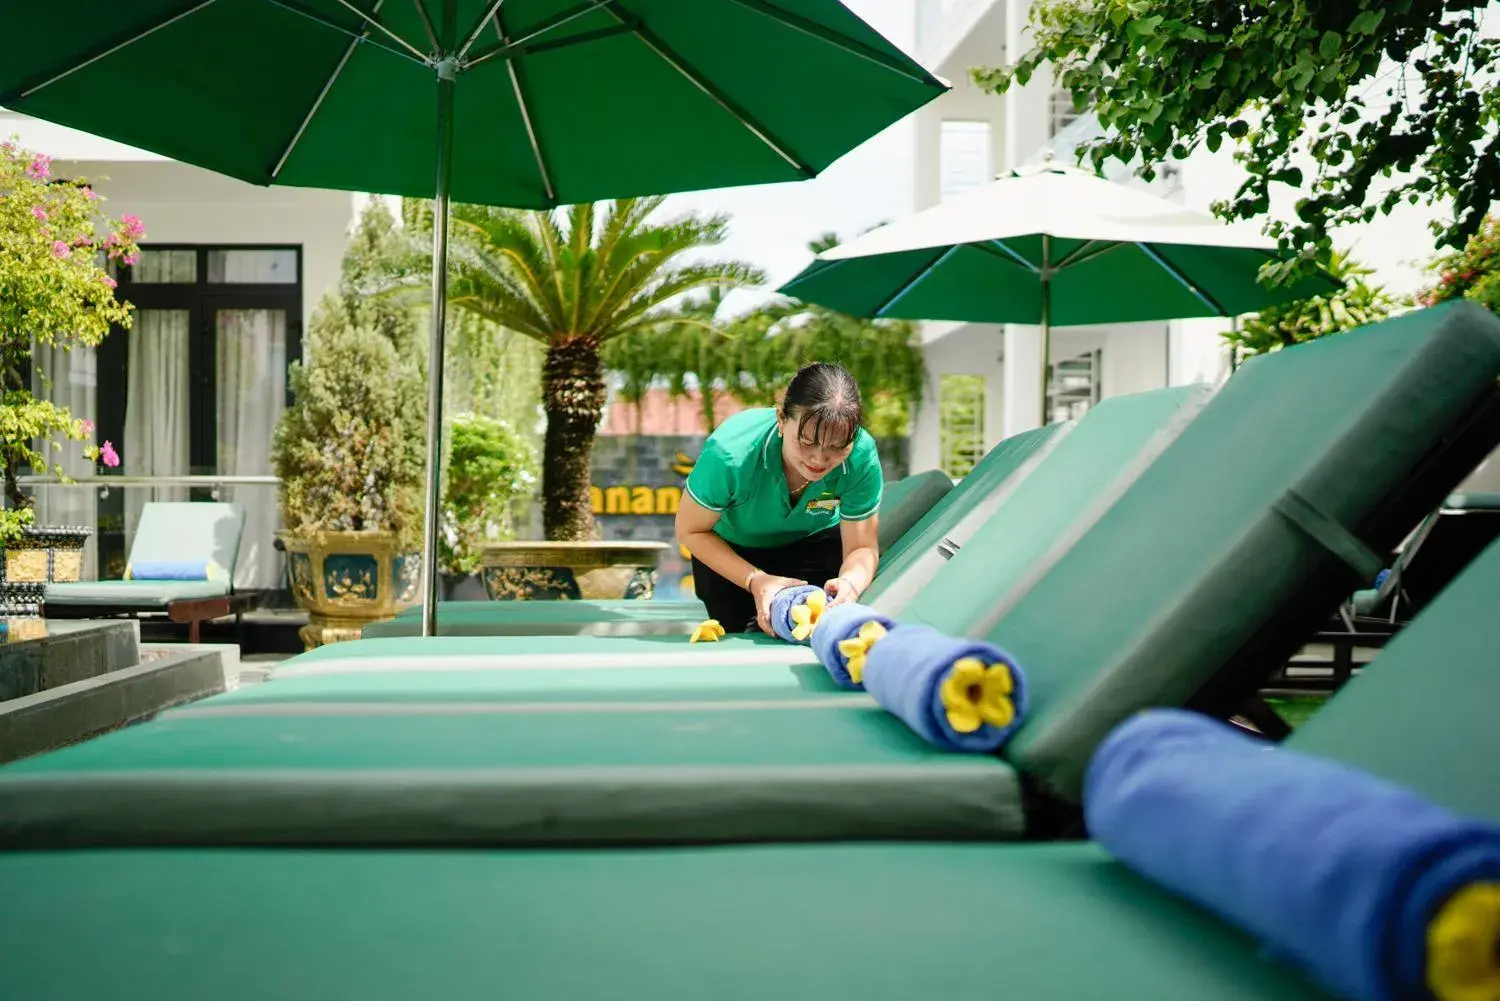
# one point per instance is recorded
(784, 496)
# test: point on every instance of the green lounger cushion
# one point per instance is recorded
(560, 618)
(1004, 466)
(168, 532)
(794, 923)
(1044, 514)
(906, 501)
(134, 593)
(611, 770)
(1423, 713)
(1249, 529)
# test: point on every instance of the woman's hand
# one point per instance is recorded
(763, 587)
(840, 592)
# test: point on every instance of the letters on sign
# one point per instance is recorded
(638, 500)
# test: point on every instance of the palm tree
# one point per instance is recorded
(575, 278)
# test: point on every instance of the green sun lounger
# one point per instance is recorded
(1441, 546)
(916, 515)
(173, 534)
(1133, 613)
(811, 922)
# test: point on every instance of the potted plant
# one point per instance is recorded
(349, 455)
(55, 291)
(490, 466)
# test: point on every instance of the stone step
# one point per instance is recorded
(69, 713)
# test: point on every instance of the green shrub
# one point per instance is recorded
(490, 466)
(349, 450)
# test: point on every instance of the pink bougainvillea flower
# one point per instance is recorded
(108, 455)
(39, 212)
(40, 167)
(109, 282)
(87, 425)
(134, 228)
(132, 259)
(60, 249)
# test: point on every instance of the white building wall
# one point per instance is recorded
(184, 204)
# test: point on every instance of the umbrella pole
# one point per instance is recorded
(446, 72)
(1046, 340)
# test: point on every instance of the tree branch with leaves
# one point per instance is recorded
(55, 290)
(1295, 81)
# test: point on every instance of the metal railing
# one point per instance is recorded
(106, 483)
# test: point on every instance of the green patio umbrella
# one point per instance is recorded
(522, 103)
(1050, 245)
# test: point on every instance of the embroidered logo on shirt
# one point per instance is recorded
(823, 504)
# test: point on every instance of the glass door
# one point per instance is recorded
(204, 382)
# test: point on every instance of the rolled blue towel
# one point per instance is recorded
(837, 626)
(957, 694)
(1341, 873)
(782, 603)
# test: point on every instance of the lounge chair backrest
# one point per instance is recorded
(1424, 712)
(1006, 460)
(1246, 533)
(187, 531)
(907, 500)
(1042, 516)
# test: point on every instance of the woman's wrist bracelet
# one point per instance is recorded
(751, 576)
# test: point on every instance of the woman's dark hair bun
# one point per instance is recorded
(824, 400)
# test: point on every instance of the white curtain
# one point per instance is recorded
(251, 396)
(68, 378)
(156, 408)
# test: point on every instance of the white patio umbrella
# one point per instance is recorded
(1050, 245)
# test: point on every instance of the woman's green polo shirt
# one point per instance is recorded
(739, 474)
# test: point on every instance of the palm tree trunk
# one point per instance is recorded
(573, 398)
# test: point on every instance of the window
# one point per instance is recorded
(1064, 110)
(960, 423)
(252, 267)
(966, 157)
(1073, 386)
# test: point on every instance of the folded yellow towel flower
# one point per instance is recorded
(805, 616)
(708, 631)
(1463, 946)
(974, 694)
(855, 650)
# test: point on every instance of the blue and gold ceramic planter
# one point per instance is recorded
(570, 571)
(346, 580)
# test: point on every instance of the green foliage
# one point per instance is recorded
(350, 448)
(1297, 81)
(581, 274)
(493, 372)
(961, 422)
(490, 466)
(752, 357)
(1472, 273)
(54, 290)
(1355, 305)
